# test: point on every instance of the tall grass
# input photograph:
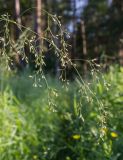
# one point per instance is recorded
(46, 119)
(71, 126)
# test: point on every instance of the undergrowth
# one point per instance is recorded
(46, 119)
(73, 128)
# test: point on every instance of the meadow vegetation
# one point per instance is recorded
(77, 121)
(55, 116)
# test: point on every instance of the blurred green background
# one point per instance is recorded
(61, 80)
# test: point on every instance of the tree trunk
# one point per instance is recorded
(18, 18)
(37, 27)
(17, 58)
(84, 44)
(74, 29)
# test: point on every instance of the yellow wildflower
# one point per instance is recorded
(114, 135)
(76, 136)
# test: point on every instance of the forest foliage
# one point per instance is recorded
(60, 96)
